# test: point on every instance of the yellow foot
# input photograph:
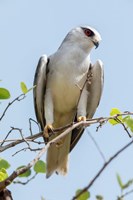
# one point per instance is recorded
(81, 118)
(46, 131)
(59, 143)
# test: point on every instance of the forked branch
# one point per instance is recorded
(20, 171)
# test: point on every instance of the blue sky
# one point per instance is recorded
(32, 28)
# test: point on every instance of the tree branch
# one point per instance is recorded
(102, 169)
(126, 194)
(20, 171)
(66, 129)
(19, 98)
(26, 182)
(19, 141)
(97, 146)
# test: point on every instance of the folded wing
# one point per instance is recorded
(39, 90)
(94, 96)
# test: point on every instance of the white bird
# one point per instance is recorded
(58, 80)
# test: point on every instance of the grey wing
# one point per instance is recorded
(39, 90)
(95, 88)
(95, 92)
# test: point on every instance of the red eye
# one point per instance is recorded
(88, 32)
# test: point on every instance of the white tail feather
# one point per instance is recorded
(57, 157)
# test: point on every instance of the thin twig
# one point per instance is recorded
(126, 194)
(20, 131)
(17, 172)
(19, 141)
(102, 169)
(22, 170)
(19, 98)
(26, 182)
(30, 125)
(120, 121)
(69, 127)
(5, 139)
(97, 146)
(25, 149)
(101, 123)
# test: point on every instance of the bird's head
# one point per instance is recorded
(85, 37)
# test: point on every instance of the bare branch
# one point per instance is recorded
(20, 131)
(97, 146)
(22, 170)
(19, 98)
(102, 169)
(126, 194)
(27, 148)
(5, 139)
(26, 182)
(30, 125)
(120, 121)
(68, 128)
(19, 141)
(17, 172)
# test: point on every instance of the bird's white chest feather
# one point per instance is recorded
(65, 79)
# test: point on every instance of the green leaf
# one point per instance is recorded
(40, 167)
(84, 196)
(4, 93)
(99, 197)
(129, 122)
(125, 119)
(130, 182)
(119, 181)
(23, 87)
(26, 174)
(4, 164)
(113, 112)
(126, 185)
(3, 174)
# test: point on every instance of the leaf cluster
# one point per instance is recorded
(124, 186)
(39, 167)
(127, 121)
(5, 94)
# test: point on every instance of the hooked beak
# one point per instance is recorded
(96, 44)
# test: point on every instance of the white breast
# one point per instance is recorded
(66, 75)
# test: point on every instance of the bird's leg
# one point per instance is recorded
(47, 129)
(82, 106)
(59, 143)
(49, 114)
(81, 118)
(46, 134)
